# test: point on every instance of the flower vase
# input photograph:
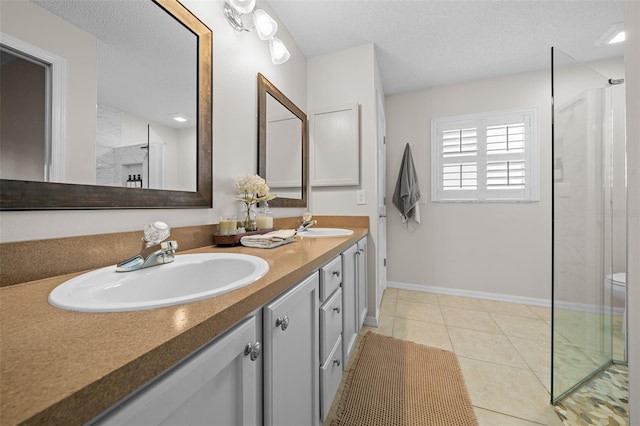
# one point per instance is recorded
(248, 218)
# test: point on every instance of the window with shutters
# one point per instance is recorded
(485, 157)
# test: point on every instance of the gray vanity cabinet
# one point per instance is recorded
(349, 303)
(280, 366)
(354, 295)
(219, 384)
(291, 336)
(331, 320)
(361, 281)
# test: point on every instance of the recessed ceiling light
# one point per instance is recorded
(614, 34)
(181, 118)
(618, 38)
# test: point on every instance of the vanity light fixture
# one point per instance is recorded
(279, 52)
(243, 6)
(614, 34)
(265, 26)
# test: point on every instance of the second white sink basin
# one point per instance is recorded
(190, 277)
(325, 232)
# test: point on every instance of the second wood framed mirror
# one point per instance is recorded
(282, 146)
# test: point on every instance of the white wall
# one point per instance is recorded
(337, 79)
(632, 83)
(237, 58)
(499, 248)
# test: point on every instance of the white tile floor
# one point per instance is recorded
(503, 350)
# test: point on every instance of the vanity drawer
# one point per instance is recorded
(330, 323)
(330, 278)
(330, 377)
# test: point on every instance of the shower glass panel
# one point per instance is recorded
(582, 330)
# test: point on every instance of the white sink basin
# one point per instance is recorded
(190, 277)
(325, 232)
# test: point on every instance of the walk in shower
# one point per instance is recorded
(589, 243)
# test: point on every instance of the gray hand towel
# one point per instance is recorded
(407, 193)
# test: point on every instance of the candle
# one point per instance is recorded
(228, 226)
(264, 222)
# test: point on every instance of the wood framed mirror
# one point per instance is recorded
(283, 147)
(18, 194)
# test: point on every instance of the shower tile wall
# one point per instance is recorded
(108, 137)
(578, 242)
(115, 162)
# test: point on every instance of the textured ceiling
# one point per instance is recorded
(146, 60)
(426, 43)
(419, 43)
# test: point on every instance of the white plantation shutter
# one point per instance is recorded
(459, 159)
(485, 157)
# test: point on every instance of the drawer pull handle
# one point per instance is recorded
(336, 273)
(336, 362)
(337, 309)
(282, 322)
(253, 350)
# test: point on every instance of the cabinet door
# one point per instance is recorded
(362, 286)
(291, 357)
(349, 303)
(217, 385)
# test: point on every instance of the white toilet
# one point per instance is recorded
(619, 293)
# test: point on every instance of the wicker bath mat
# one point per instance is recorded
(399, 383)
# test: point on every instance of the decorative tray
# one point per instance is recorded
(234, 239)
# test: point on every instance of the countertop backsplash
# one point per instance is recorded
(26, 261)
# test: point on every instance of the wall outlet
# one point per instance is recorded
(361, 197)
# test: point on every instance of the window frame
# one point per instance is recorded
(481, 121)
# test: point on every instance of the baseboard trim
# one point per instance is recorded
(571, 306)
(469, 293)
(372, 321)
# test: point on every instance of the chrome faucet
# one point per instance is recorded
(155, 251)
(306, 222)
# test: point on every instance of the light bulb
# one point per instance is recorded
(279, 52)
(243, 6)
(266, 27)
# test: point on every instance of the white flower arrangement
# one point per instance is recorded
(253, 189)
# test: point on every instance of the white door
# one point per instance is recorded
(381, 247)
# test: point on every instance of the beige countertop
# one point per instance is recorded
(62, 367)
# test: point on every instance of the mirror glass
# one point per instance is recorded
(125, 92)
(282, 148)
